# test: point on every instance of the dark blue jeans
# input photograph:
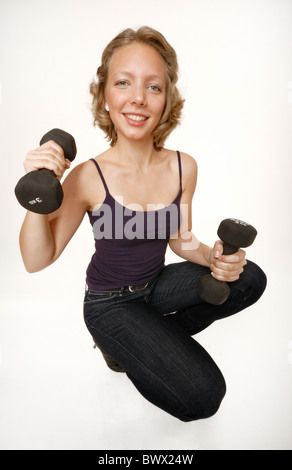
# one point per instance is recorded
(155, 346)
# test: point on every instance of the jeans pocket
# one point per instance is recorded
(95, 296)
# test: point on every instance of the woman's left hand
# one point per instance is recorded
(226, 267)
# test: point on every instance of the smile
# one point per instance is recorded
(136, 117)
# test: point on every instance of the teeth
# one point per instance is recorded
(134, 117)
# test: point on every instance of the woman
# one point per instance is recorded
(138, 195)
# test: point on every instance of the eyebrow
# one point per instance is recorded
(149, 77)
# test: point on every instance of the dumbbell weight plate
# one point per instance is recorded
(212, 291)
(39, 191)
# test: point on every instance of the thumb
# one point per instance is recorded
(67, 163)
(218, 249)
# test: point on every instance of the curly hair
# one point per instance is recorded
(174, 102)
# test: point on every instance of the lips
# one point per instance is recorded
(136, 117)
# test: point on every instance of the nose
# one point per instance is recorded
(138, 96)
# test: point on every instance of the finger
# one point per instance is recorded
(47, 153)
(51, 161)
(54, 149)
(228, 269)
(225, 278)
(227, 275)
(51, 144)
(218, 249)
(45, 156)
(220, 264)
(67, 163)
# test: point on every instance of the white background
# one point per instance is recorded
(235, 62)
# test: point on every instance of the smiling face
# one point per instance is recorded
(136, 90)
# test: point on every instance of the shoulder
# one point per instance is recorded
(189, 170)
(87, 169)
(80, 172)
(189, 164)
(79, 183)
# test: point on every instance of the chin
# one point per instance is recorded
(137, 136)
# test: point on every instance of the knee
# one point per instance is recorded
(257, 281)
(205, 401)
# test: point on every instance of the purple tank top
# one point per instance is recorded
(130, 245)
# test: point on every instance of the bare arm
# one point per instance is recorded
(184, 243)
(44, 237)
(187, 246)
(36, 242)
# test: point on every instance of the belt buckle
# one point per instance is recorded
(137, 290)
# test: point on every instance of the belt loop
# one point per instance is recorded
(121, 291)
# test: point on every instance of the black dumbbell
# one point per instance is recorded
(234, 234)
(40, 191)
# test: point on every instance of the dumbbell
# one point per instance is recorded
(234, 234)
(40, 191)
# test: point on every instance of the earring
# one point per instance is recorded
(107, 107)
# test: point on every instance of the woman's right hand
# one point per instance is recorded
(49, 155)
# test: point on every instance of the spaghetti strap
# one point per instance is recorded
(101, 175)
(179, 166)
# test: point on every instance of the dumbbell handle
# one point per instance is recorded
(212, 290)
(229, 249)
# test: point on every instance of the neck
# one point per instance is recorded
(137, 154)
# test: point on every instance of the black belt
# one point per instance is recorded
(123, 289)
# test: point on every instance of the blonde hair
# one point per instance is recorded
(174, 102)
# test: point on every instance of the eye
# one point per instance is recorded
(155, 88)
(121, 83)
